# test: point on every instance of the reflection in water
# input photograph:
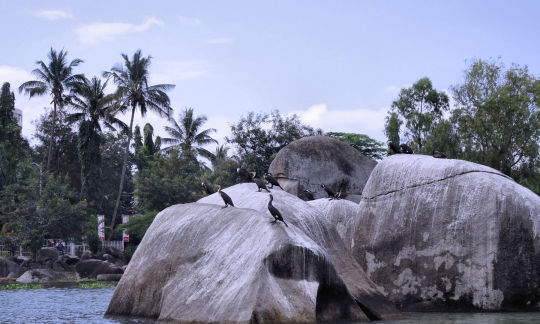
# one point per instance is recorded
(74, 305)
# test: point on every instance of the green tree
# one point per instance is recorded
(365, 144)
(132, 93)
(144, 152)
(92, 108)
(258, 137)
(497, 116)
(54, 78)
(188, 136)
(421, 107)
(7, 106)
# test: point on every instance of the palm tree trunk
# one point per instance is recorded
(49, 150)
(124, 165)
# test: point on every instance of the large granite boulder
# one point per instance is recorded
(200, 263)
(440, 234)
(45, 275)
(342, 214)
(9, 269)
(311, 161)
(90, 268)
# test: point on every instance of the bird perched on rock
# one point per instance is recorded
(406, 149)
(225, 197)
(331, 194)
(394, 147)
(207, 189)
(308, 194)
(439, 155)
(243, 174)
(274, 212)
(271, 180)
(260, 182)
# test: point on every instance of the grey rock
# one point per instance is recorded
(234, 265)
(342, 214)
(47, 254)
(90, 268)
(109, 277)
(311, 161)
(438, 234)
(60, 265)
(44, 275)
(69, 259)
(86, 255)
(108, 257)
(9, 269)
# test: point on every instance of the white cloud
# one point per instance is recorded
(221, 40)
(100, 32)
(174, 71)
(189, 21)
(391, 91)
(14, 75)
(52, 14)
(363, 121)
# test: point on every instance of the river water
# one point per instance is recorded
(74, 305)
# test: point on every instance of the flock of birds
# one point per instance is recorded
(406, 149)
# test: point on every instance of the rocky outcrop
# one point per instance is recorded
(311, 161)
(9, 269)
(342, 214)
(109, 277)
(441, 234)
(90, 268)
(201, 263)
(47, 254)
(44, 275)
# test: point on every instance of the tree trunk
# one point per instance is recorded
(49, 150)
(124, 164)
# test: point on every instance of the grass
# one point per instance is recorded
(92, 285)
(20, 286)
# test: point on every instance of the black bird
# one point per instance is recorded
(329, 192)
(225, 197)
(308, 194)
(271, 180)
(260, 182)
(439, 155)
(395, 148)
(207, 189)
(244, 175)
(273, 210)
(406, 149)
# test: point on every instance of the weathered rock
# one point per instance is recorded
(234, 265)
(311, 161)
(70, 259)
(44, 275)
(342, 214)
(92, 267)
(60, 265)
(116, 253)
(108, 257)
(47, 254)
(109, 277)
(9, 269)
(86, 255)
(436, 234)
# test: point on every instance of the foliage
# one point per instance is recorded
(497, 116)
(258, 137)
(7, 106)
(421, 107)
(365, 144)
(94, 285)
(188, 136)
(144, 152)
(137, 226)
(15, 286)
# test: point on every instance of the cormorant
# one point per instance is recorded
(271, 180)
(260, 182)
(273, 210)
(406, 149)
(244, 175)
(207, 189)
(329, 191)
(308, 194)
(439, 155)
(395, 148)
(225, 197)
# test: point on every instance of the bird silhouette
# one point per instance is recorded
(271, 180)
(225, 197)
(274, 212)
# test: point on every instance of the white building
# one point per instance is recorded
(17, 115)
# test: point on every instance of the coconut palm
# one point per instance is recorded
(185, 135)
(54, 78)
(132, 93)
(92, 107)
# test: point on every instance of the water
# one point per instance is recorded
(74, 305)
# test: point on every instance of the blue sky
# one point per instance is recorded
(338, 64)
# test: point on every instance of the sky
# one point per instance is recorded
(337, 64)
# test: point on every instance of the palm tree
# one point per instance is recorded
(93, 107)
(53, 78)
(186, 136)
(134, 92)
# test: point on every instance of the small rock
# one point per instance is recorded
(109, 277)
(46, 254)
(92, 267)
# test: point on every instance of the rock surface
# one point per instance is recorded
(9, 269)
(437, 234)
(90, 268)
(233, 265)
(44, 275)
(109, 277)
(47, 254)
(311, 161)
(342, 214)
